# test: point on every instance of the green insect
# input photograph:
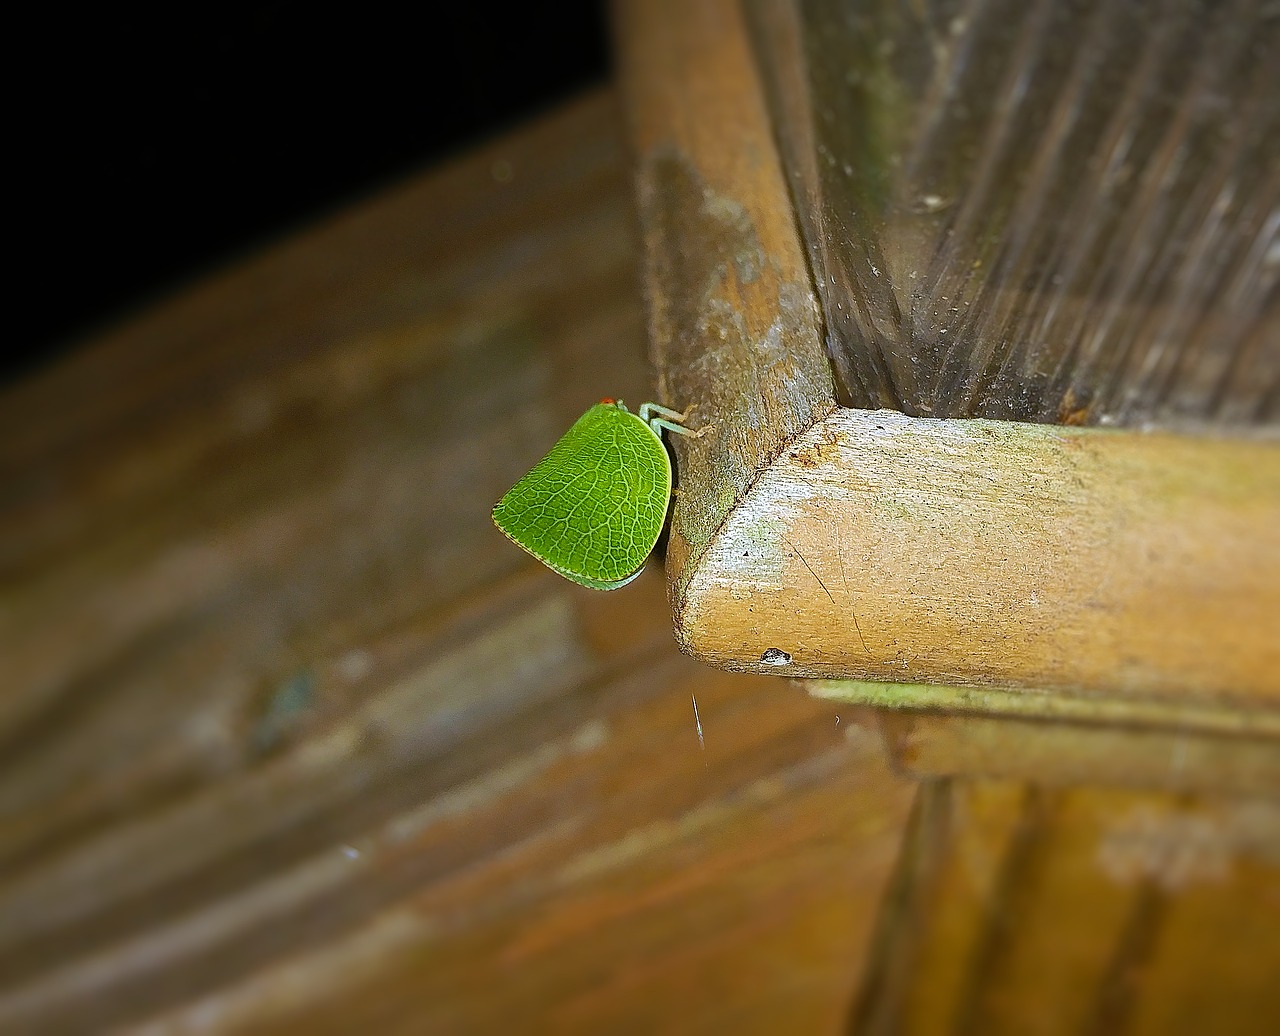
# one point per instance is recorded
(593, 508)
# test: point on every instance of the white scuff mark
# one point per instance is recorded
(355, 665)
(698, 722)
(590, 736)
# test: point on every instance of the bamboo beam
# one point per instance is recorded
(882, 547)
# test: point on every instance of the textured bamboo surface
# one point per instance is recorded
(865, 544)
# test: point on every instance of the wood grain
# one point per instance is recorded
(1065, 739)
(1133, 713)
(865, 545)
(733, 323)
(1058, 753)
(975, 246)
(295, 740)
(1111, 596)
(1025, 909)
(1016, 555)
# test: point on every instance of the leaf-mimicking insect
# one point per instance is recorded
(593, 508)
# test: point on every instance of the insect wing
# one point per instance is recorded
(593, 507)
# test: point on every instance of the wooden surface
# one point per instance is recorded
(860, 544)
(1032, 910)
(1037, 212)
(295, 741)
(1064, 739)
(733, 322)
(1094, 846)
(1017, 555)
(1187, 717)
(1058, 753)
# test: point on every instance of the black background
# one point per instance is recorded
(149, 150)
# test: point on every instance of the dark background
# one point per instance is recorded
(149, 151)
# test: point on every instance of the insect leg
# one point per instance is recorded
(671, 420)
